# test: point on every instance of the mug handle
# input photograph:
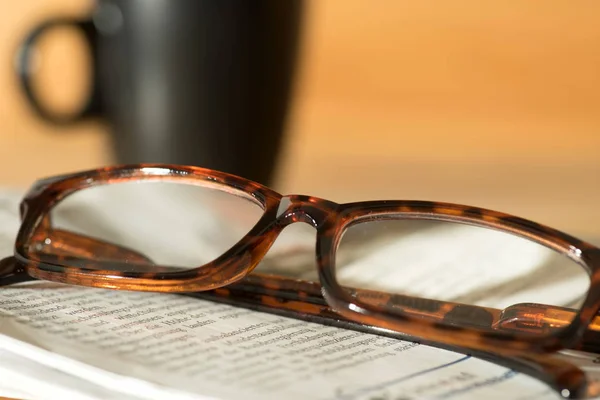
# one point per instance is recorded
(92, 106)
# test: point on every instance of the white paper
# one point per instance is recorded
(148, 343)
(37, 381)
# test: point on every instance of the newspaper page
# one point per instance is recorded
(160, 345)
(59, 340)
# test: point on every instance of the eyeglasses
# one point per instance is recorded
(458, 277)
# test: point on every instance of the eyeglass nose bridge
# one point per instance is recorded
(310, 210)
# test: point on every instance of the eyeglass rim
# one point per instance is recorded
(47, 192)
(584, 254)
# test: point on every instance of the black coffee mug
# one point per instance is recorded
(197, 82)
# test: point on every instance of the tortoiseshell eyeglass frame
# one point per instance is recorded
(506, 337)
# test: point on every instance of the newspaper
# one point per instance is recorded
(60, 341)
(151, 346)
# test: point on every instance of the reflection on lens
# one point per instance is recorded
(135, 226)
(432, 268)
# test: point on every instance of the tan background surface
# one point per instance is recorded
(493, 104)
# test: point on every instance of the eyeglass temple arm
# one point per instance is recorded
(62, 243)
(306, 303)
(59, 242)
(300, 297)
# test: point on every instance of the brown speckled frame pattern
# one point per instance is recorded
(522, 336)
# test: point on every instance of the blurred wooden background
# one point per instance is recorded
(495, 104)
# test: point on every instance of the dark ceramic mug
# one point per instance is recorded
(195, 82)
